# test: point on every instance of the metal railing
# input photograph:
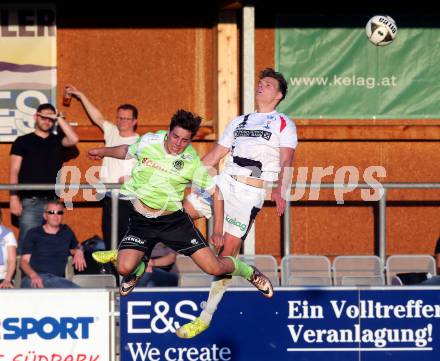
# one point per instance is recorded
(382, 221)
(59, 187)
(383, 187)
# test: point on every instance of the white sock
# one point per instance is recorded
(216, 293)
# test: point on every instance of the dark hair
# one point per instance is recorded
(46, 106)
(131, 107)
(186, 120)
(282, 83)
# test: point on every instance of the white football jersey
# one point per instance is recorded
(254, 141)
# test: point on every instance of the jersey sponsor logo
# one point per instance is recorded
(241, 125)
(187, 157)
(235, 222)
(150, 163)
(268, 121)
(255, 133)
(178, 164)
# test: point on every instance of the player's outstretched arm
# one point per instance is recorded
(119, 152)
(217, 236)
(279, 194)
(215, 155)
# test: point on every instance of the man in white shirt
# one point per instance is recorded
(113, 170)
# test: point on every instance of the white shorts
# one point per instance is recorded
(201, 203)
(241, 204)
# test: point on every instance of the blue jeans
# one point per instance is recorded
(50, 281)
(158, 278)
(31, 216)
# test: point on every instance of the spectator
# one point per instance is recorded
(113, 170)
(8, 254)
(46, 250)
(159, 271)
(37, 158)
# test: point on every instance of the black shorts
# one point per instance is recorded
(176, 230)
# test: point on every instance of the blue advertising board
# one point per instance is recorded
(301, 324)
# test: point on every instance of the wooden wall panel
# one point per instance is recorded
(159, 70)
(324, 227)
(4, 163)
(227, 62)
(264, 49)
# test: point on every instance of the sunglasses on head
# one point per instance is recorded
(55, 212)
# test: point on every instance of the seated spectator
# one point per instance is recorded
(159, 272)
(8, 254)
(46, 250)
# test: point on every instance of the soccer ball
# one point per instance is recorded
(381, 30)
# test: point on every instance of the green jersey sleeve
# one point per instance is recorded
(132, 149)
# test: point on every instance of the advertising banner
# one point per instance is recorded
(54, 325)
(336, 73)
(27, 65)
(316, 324)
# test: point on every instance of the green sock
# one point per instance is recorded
(242, 269)
(140, 269)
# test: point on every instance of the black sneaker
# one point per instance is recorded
(262, 283)
(128, 283)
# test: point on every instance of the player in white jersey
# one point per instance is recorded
(261, 147)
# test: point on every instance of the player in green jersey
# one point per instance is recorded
(165, 163)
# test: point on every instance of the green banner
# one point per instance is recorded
(336, 73)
